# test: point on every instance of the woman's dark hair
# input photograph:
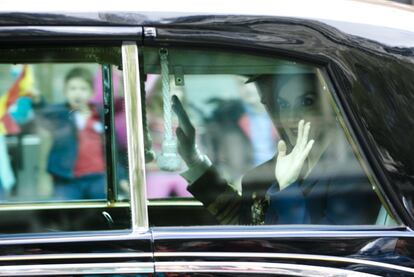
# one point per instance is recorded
(80, 72)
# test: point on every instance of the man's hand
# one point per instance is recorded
(186, 147)
(288, 167)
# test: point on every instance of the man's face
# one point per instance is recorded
(294, 98)
(78, 92)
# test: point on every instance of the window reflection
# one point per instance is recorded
(52, 141)
(260, 143)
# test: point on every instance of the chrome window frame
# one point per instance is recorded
(136, 155)
(78, 269)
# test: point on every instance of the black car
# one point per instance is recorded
(270, 140)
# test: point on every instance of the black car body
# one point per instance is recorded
(369, 67)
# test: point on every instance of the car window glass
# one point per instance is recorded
(257, 140)
(62, 141)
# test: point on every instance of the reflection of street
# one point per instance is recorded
(30, 127)
(392, 253)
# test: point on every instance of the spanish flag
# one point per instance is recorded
(21, 87)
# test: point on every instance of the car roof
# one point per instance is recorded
(383, 21)
(378, 12)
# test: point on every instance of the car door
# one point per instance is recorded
(69, 201)
(352, 222)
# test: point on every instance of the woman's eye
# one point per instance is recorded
(282, 104)
(307, 101)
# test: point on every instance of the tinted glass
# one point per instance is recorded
(62, 135)
(257, 140)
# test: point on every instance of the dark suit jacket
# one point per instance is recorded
(335, 192)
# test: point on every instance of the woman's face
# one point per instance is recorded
(295, 97)
(298, 99)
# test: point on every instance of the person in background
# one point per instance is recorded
(239, 133)
(15, 110)
(76, 158)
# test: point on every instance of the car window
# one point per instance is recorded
(62, 140)
(250, 140)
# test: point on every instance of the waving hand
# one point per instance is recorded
(289, 166)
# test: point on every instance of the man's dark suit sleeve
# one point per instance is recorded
(218, 196)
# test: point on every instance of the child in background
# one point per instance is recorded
(76, 159)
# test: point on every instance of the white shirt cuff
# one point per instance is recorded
(196, 170)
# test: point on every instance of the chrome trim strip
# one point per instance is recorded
(73, 256)
(141, 233)
(283, 256)
(92, 33)
(173, 203)
(190, 232)
(256, 268)
(60, 206)
(135, 133)
(72, 269)
(150, 32)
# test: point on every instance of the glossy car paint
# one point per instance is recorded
(373, 82)
(356, 67)
(112, 252)
(376, 252)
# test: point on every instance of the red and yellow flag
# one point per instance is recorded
(21, 87)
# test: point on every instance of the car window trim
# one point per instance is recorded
(73, 236)
(78, 269)
(72, 34)
(110, 146)
(281, 231)
(135, 131)
(33, 206)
